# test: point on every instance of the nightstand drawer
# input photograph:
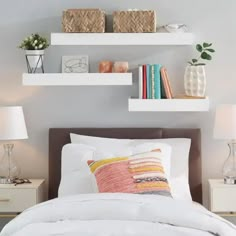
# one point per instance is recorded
(223, 199)
(17, 200)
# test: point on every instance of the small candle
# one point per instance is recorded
(105, 67)
(121, 67)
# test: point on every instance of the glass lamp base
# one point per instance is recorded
(230, 180)
(229, 169)
(9, 169)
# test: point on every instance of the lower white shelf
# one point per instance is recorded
(168, 105)
(83, 79)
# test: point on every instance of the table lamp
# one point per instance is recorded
(12, 127)
(225, 129)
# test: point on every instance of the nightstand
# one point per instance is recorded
(15, 199)
(223, 199)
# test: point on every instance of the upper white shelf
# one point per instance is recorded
(169, 105)
(128, 39)
(84, 79)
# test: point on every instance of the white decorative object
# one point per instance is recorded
(116, 39)
(176, 28)
(35, 58)
(75, 64)
(12, 127)
(195, 81)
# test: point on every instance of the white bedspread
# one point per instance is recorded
(118, 215)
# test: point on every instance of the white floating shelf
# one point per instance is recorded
(129, 39)
(90, 79)
(168, 105)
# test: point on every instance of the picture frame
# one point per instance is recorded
(75, 64)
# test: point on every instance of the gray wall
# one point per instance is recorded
(45, 107)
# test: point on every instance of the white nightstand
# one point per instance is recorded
(223, 199)
(15, 199)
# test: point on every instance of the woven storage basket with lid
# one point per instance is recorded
(134, 21)
(83, 21)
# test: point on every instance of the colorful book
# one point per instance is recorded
(166, 83)
(148, 81)
(163, 88)
(140, 82)
(157, 81)
(144, 82)
(152, 81)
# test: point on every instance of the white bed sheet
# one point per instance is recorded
(118, 215)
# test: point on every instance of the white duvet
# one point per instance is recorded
(118, 215)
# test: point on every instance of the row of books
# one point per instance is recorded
(154, 82)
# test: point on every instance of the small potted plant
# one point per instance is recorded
(34, 47)
(195, 74)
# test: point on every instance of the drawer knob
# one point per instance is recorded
(4, 200)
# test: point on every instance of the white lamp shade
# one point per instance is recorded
(12, 124)
(225, 122)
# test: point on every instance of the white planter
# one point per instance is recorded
(195, 81)
(34, 59)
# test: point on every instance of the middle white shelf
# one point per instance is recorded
(83, 79)
(169, 105)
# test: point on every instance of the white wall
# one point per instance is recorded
(211, 20)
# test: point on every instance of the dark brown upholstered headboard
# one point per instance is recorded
(58, 137)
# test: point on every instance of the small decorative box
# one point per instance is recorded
(134, 21)
(83, 21)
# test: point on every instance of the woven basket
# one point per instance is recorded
(134, 21)
(83, 21)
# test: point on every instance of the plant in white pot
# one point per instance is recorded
(195, 73)
(34, 47)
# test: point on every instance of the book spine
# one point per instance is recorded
(148, 82)
(165, 87)
(157, 81)
(140, 82)
(152, 75)
(168, 86)
(144, 82)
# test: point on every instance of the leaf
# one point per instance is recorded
(207, 45)
(194, 60)
(210, 50)
(199, 47)
(190, 63)
(206, 56)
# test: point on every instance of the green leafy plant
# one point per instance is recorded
(34, 42)
(205, 51)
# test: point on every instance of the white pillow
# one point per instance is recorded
(105, 147)
(74, 170)
(179, 175)
(76, 175)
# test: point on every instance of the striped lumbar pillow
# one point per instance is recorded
(142, 173)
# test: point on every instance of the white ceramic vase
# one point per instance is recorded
(35, 58)
(195, 81)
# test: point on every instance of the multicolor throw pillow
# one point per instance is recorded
(142, 173)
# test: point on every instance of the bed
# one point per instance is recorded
(120, 214)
